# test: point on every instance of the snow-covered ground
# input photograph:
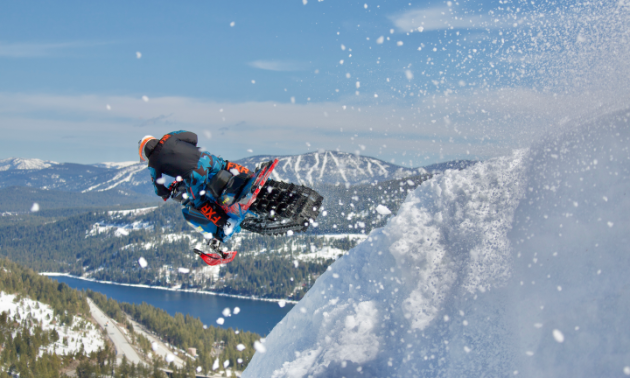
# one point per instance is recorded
(515, 266)
(120, 229)
(328, 252)
(81, 334)
(134, 212)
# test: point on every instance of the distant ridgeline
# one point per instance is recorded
(88, 233)
(329, 167)
(46, 331)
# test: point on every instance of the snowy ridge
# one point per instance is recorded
(126, 174)
(23, 164)
(515, 266)
(332, 167)
(116, 165)
(81, 334)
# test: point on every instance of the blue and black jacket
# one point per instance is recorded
(177, 154)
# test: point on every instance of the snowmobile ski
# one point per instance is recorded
(260, 181)
(215, 258)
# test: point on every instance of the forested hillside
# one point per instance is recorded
(24, 336)
(106, 244)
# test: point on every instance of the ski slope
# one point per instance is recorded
(517, 266)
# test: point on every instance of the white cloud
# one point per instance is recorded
(82, 128)
(439, 18)
(279, 65)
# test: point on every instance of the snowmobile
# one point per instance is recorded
(262, 206)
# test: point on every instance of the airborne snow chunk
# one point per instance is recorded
(143, 263)
(383, 210)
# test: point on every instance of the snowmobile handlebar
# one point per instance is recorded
(177, 191)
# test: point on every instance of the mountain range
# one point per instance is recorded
(131, 178)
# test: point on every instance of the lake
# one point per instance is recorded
(255, 316)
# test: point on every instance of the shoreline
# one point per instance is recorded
(54, 274)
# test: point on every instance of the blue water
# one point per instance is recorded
(255, 316)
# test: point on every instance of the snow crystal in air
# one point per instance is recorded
(399, 43)
(250, 150)
(558, 336)
(239, 360)
(145, 98)
(138, 54)
(409, 74)
(198, 369)
(226, 363)
(154, 346)
(296, 263)
(220, 321)
(232, 24)
(304, 2)
(108, 107)
(183, 270)
(282, 303)
(236, 310)
(35, 207)
(207, 134)
(240, 347)
(259, 347)
(215, 365)
(626, 370)
(253, 81)
(161, 181)
(358, 84)
(383, 210)
(226, 312)
(380, 40)
(170, 358)
(143, 263)
(289, 233)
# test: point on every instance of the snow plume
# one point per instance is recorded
(513, 266)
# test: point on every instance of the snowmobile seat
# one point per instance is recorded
(218, 182)
(234, 188)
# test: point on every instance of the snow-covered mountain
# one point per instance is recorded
(326, 167)
(17, 163)
(332, 167)
(515, 266)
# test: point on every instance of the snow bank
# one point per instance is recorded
(514, 266)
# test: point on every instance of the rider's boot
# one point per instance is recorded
(215, 246)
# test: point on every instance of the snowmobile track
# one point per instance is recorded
(283, 207)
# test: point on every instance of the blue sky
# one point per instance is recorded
(412, 82)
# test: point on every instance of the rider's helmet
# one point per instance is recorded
(145, 145)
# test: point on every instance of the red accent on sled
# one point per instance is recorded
(213, 259)
(260, 183)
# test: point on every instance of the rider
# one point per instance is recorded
(204, 180)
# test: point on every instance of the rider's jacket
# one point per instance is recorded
(177, 154)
